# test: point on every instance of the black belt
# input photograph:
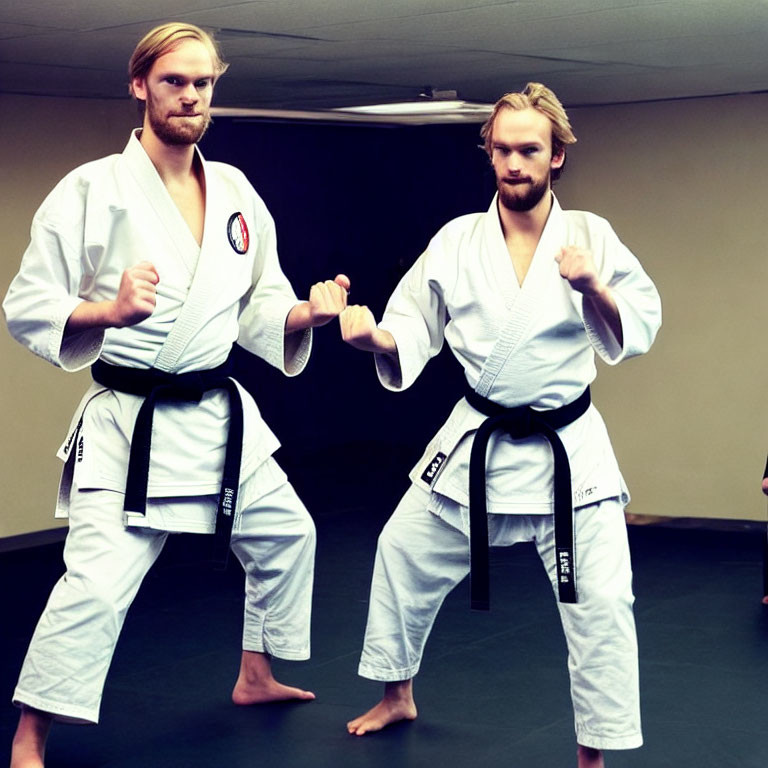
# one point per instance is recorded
(519, 423)
(156, 386)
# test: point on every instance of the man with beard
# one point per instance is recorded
(524, 294)
(148, 266)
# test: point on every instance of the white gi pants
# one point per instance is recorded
(421, 557)
(71, 650)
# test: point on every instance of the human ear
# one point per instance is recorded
(558, 159)
(139, 88)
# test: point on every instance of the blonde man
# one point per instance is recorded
(525, 295)
(148, 266)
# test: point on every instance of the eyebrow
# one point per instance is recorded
(516, 145)
(178, 75)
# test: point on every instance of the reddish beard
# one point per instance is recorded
(523, 196)
(176, 130)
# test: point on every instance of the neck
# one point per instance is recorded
(527, 223)
(171, 161)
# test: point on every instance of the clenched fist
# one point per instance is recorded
(135, 302)
(358, 328)
(327, 300)
(578, 267)
(136, 296)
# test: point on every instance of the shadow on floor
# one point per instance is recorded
(493, 690)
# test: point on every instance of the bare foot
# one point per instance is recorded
(28, 748)
(256, 685)
(396, 705)
(590, 758)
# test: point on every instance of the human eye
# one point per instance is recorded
(530, 151)
(172, 80)
(503, 151)
(203, 83)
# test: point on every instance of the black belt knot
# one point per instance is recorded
(521, 422)
(517, 425)
(160, 386)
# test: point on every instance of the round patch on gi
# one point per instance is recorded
(237, 232)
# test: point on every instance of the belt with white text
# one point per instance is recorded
(160, 386)
(521, 422)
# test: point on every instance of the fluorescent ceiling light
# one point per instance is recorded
(404, 113)
(425, 107)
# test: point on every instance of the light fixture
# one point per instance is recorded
(432, 103)
(428, 92)
(432, 106)
(453, 107)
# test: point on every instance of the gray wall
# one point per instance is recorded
(683, 185)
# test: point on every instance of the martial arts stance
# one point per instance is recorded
(524, 294)
(153, 263)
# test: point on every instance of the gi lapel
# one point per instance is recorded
(526, 302)
(205, 283)
(198, 259)
(163, 208)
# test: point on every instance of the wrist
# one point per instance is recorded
(384, 343)
(597, 292)
(299, 318)
(107, 314)
(92, 315)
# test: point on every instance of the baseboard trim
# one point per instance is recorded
(34, 539)
(707, 523)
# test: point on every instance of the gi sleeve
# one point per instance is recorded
(266, 305)
(44, 293)
(636, 297)
(416, 317)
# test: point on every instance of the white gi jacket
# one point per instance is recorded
(109, 215)
(531, 345)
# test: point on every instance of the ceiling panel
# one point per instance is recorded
(100, 14)
(293, 54)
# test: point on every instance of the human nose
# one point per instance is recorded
(514, 163)
(189, 95)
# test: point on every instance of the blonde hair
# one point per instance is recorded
(542, 99)
(165, 38)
